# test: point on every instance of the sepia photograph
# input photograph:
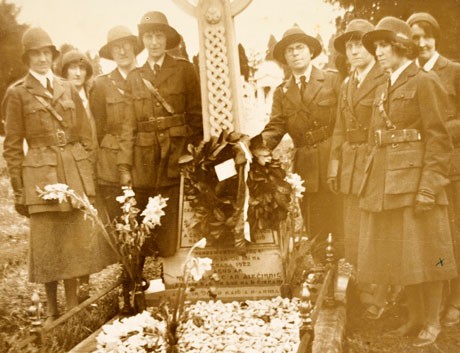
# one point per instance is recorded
(234, 176)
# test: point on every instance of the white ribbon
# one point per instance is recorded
(248, 156)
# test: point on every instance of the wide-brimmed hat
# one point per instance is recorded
(75, 56)
(355, 30)
(424, 17)
(293, 35)
(157, 21)
(36, 38)
(391, 29)
(115, 35)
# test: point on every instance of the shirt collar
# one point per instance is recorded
(430, 63)
(395, 74)
(362, 76)
(307, 75)
(83, 96)
(122, 73)
(42, 78)
(158, 62)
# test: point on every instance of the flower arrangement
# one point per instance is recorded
(220, 205)
(161, 324)
(126, 235)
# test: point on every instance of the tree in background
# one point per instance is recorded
(11, 67)
(446, 13)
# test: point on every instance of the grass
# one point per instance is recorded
(16, 290)
(367, 336)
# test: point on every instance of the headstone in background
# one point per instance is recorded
(257, 274)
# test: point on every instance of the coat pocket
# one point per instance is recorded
(178, 136)
(107, 159)
(144, 168)
(85, 169)
(347, 168)
(306, 164)
(115, 107)
(403, 171)
(38, 170)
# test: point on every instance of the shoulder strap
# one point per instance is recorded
(346, 102)
(157, 95)
(48, 107)
(119, 89)
(381, 107)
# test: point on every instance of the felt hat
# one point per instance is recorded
(293, 35)
(37, 38)
(355, 30)
(157, 21)
(115, 35)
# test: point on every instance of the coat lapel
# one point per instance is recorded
(292, 92)
(370, 82)
(411, 70)
(313, 86)
(118, 81)
(168, 68)
(146, 72)
(35, 87)
(58, 88)
(440, 64)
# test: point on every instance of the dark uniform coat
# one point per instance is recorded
(296, 116)
(396, 246)
(160, 137)
(449, 74)
(62, 244)
(349, 149)
(156, 153)
(109, 104)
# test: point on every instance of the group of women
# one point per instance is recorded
(390, 150)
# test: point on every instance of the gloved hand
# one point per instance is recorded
(424, 201)
(124, 170)
(19, 205)
(333, 184)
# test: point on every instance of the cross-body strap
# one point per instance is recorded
(119, 89)
(48, 107)
(158, 96)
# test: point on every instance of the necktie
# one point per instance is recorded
(303, 85)
(354, 85)
(48, 86)
(156, 69)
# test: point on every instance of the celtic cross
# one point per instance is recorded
(218, 62)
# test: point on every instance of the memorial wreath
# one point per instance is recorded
(231, 189)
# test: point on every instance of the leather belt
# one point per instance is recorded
(316, 136)
(160, 123)
(357, 135)
(60, 139)
(389, 137)
(456, 140)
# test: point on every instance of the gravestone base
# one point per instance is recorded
(256, 275)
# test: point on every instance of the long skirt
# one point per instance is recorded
(63, 245)
(398, 248)
(351, 222)
(322, 214)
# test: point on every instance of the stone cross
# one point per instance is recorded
(218, 62)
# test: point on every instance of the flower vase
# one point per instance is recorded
(139, 298)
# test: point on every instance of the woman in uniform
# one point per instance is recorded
(426, 34)
(404, 233)
(46, 111)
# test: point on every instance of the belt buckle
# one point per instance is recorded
(61, 138)
(161, 123)
(309, 137)
(378, 138)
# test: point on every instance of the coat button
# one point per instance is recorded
(161, 134)
(157, 104)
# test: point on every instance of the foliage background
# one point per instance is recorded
(446, 12)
